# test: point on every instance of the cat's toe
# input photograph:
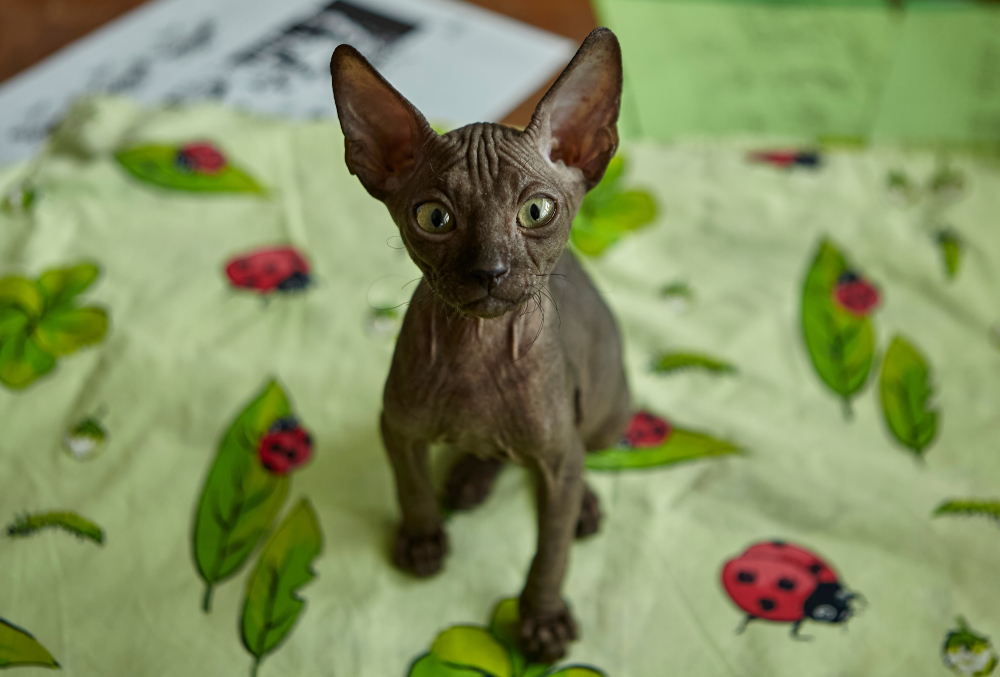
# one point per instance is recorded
(469, 481)
(589, 520)
(420, 554)
(544, 637)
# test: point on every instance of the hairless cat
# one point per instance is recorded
(507, 351)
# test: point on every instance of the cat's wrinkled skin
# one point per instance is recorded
(507, 350)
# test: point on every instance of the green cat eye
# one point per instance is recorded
(434, 217)
(537, 211)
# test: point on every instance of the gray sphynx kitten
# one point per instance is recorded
(485, 212)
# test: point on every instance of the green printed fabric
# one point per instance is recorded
(195, 484)
(842, 70)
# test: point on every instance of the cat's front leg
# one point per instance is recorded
(421, 542)
(546, 623)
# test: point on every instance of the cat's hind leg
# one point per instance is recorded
(589, 521)
(611, 430)
(470, 481)
(608, 434)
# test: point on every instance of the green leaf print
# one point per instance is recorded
(429, 665)
(13, 321)
(26, 525)
(946, 182)
(623, 212)
(271, 605)
(475, 651)
(23, 360)
(677, 290)
(504, 626)
(157, 165)
(608, 213)
(666, 363)
(840, 343)
(987, 509)
(681, 445)
(62, 284)
(18, 647)
(40, 321)
(473, 647)
(899, 183)
(240, 498)
(951, 246)
(906, 393)
(22, 293)
(63, 331)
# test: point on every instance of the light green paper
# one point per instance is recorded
(809, 69)
(724, 68)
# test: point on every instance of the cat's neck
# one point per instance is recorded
(447, 332)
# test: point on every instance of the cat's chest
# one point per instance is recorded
(488, 398)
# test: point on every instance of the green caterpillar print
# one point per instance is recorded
(665, 363)
(988, 509)
(25, 525)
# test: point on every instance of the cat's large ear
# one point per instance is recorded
(383, 132)
(575, 120)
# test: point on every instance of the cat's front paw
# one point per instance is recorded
(544, 636)
(420, 554)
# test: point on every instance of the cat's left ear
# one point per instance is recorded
(575, 120)
(383, 132)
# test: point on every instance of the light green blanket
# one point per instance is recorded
(721, 273)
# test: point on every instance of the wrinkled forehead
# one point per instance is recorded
(484, 163)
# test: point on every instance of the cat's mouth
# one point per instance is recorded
(488, 307)
(480, 303)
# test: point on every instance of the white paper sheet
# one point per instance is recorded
(456, 62)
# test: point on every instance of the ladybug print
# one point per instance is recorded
(855, 295)
(285, 446)
(646, 430)
(202, 158)
(787, 158)
(267, 270)
(785, 583)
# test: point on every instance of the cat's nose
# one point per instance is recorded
(489, 278)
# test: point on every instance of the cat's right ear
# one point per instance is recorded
(383, 132)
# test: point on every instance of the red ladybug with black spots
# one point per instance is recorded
(267, 270)
(855, 294)
(646, 430)
(285, 447)
(785, 583)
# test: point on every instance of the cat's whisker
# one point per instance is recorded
(548, 295)
(421, 300)
(540, 325)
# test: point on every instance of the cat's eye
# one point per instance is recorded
(434, 217)
(537, 211)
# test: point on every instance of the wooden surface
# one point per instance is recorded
(30, 30)
(572, 18)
